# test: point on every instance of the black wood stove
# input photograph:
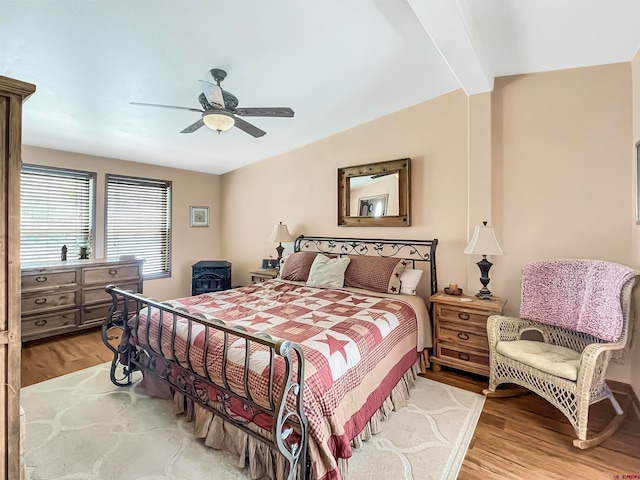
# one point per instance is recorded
(210, 276)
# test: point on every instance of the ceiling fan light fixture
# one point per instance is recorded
(218, 120)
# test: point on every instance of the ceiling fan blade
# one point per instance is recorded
(265, 112)
(166, 106)
(193, 127)
(213, 93)
(248, 128)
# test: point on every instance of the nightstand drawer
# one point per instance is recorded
(255, 279)
(463, 357)
(462, 316)
(450, 334)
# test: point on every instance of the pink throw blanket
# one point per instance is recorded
(581, 295)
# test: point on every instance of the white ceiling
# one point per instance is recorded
(337, 63)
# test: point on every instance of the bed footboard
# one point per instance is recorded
(210, 386)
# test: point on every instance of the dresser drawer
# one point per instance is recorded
(110, 274)
(44, 280)
(48, 301)
(96, 314)
(458, 336)
(462, 316)
(460, 356)
(98, 294)
(41, 324)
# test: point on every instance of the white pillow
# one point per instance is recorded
(327, 272)
(409, 280)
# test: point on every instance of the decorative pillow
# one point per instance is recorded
(297, 265)
(409, 280)
(327, 272)
(377, 274)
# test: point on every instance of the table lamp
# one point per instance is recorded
(280, 234)
(484, 242)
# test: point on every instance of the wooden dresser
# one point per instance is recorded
(460, 331)
(63, 297)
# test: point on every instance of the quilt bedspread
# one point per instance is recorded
(356, 349)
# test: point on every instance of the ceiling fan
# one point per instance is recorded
(220, 110)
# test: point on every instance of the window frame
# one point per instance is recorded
(142, 180)
(92, 177)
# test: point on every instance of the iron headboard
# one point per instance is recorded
(409, 250)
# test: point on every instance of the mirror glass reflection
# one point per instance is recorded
(374, 195)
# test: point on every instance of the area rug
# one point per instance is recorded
(81, 427)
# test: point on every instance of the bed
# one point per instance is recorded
(288, 374)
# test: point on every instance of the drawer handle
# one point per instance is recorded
(40, 301)
(464, 316)
(40, 323)
(464, 356)
(463, 336)
(113, 271)
(41, 279)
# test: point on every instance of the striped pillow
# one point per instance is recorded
(377, 274)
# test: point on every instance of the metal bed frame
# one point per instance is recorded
(286, 417)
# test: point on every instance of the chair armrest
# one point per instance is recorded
(593, 363)
(502, 328)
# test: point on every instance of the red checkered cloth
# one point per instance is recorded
(356, 349)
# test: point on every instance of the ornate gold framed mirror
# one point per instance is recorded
(375, 194)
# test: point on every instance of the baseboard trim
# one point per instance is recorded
(626, 389)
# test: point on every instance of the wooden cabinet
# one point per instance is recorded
(64, 297)
(460, 331)
(262, 275)
(12, 94)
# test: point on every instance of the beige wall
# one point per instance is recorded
(188, 188)
(545, 157)
(299, 188)
(561, 171)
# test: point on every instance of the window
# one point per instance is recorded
(139, 222)
(56, 208)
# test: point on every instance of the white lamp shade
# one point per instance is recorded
(218, 120)
(280, 234)
(484, 242)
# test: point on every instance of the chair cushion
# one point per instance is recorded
(552, 359)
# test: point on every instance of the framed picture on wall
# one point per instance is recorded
(199, 217)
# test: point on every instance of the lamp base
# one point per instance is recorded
(484, 265)
(279, 249)
(484, 294)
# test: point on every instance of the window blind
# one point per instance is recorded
(139, 222)
(56, 209)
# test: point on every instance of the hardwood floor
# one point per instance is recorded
(516, 438)
(56, 356)
(527, 438)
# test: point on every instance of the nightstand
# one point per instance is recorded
(262, 275)
(460, 331)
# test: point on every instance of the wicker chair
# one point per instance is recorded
(569, 373)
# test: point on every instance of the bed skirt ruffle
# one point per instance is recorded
(265, 462)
